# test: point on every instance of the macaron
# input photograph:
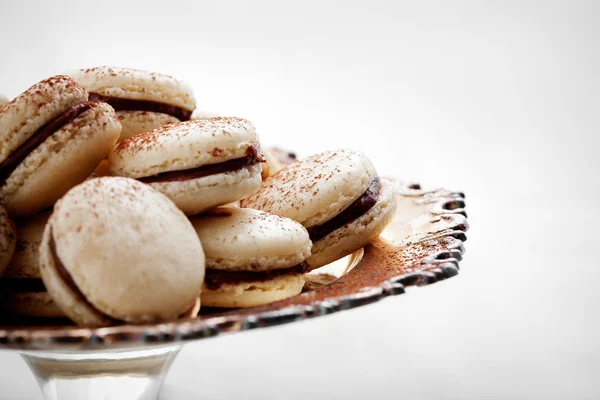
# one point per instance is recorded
(198, 114)
(282, 156)
(3, 100)
(8, 239)
(337, 196)
(198, 164)
(252, 257)
(51, 139)
(103, 169)
(277, 159)
(143, 100)
(115, 250)
(271, 165)
(22, 291)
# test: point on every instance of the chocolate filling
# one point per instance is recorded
(253, 157)
(143, 105)
(17, 156)
(24, 285)
(215, 278)
(62, 271)
(354, 211)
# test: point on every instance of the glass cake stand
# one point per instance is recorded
(423, 244)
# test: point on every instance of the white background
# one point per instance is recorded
(498, 99)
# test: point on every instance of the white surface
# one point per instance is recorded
(499, 100)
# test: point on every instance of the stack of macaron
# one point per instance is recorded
(121, 203)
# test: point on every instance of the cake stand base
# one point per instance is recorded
(103, 375)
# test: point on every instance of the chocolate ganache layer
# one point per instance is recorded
(66, 276)
(253, 156)
(120, 104)
(351, 213)
(15, 158)
(215, 278)
(62, 271)
(24, 285)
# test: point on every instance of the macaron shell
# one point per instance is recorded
(62, 161)
(25, 261)
(70, 303)
(250, 294)
(3, 100)
(272, 166)
(39, 104)
(193, 311)
(359, 233)
(134, 122)
(29, 304)
(198, 114)
(135, 84)
(316, 189)
(132, 254)
(8, 239)
(103, 169)
(182, 146)
(194, 196)
(284, 157)
(242, 239)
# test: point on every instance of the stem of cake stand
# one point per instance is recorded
(102, 375)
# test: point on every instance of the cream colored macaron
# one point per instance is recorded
(22, 291)
(3, 100)
(284, 157)
(277, 160)
(115, 249)
(271, 166)
(51, 139)
(198, 164)
(198, 114)
(337, 196)
(25, 261)
(252, 257)
(143, 100)
(8, 239)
